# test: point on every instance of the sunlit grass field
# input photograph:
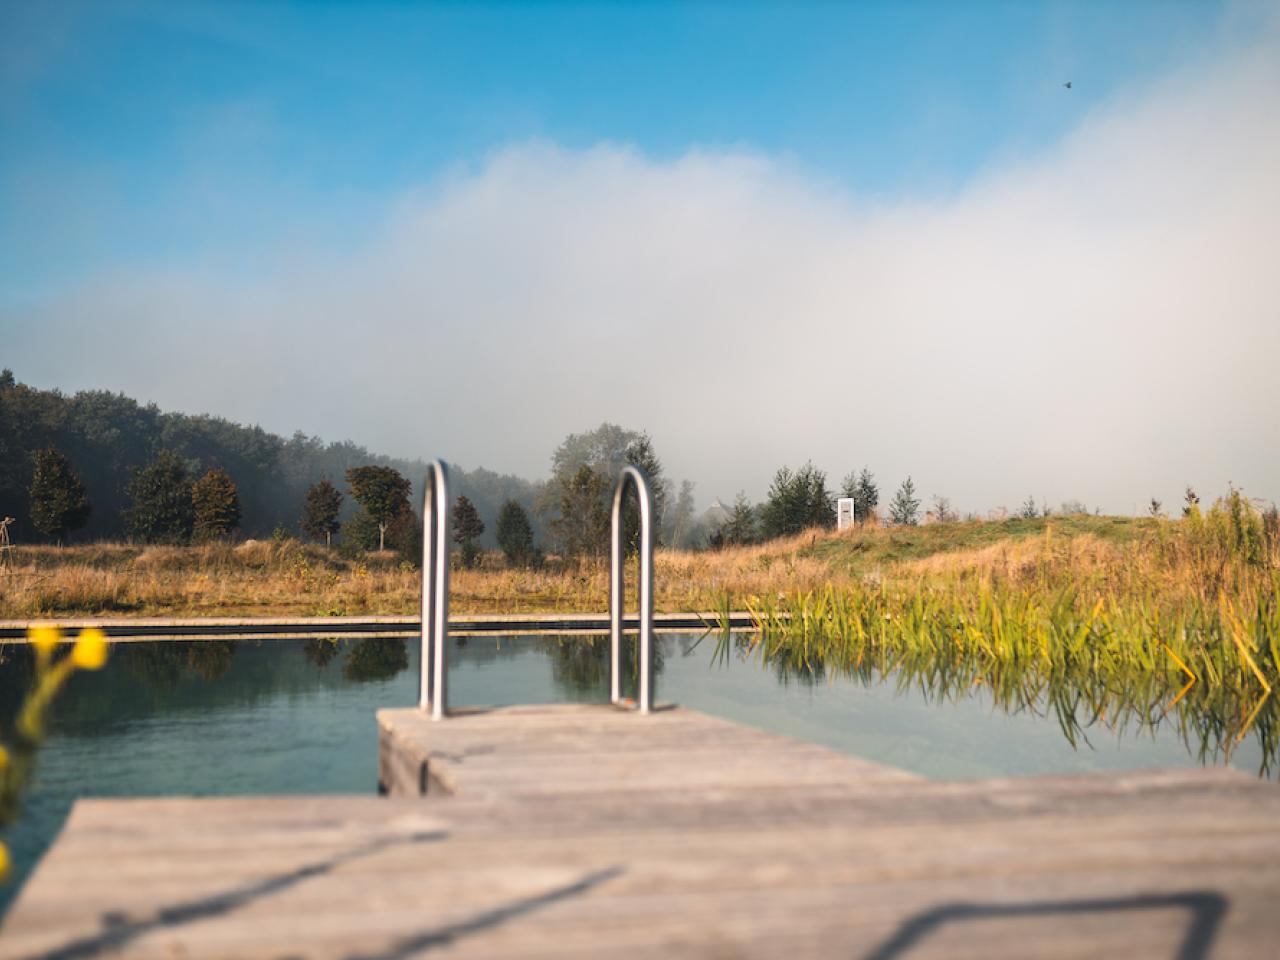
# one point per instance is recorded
(1165, 564)
(1110, 617)
(285, 577)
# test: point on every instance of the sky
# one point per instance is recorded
(858, 234)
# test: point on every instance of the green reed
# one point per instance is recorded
(1185, 631)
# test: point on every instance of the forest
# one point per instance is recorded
(109, 437)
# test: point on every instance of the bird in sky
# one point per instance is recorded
(1067, 84)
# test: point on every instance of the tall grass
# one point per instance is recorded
(1186, 616)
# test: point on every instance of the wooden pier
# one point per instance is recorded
(567, 831)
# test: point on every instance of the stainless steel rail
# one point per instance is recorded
(631, 475)
(433, 689)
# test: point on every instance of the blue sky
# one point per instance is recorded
(141, 132)
(879, 234)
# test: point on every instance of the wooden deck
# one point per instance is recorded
(581, 831)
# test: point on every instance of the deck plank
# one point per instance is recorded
(792, 850)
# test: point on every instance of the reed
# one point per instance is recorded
(1185, 617)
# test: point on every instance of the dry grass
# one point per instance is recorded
(1117, 557)
(289, 578)
(252, 579)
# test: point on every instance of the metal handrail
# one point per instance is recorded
(433, 690)
(433, 687)
(645, 496)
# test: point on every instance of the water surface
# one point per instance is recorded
(208, 718)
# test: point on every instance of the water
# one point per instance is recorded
(288, 717)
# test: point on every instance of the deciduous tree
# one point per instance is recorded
(604, 451)
(216, 505)
(383, 492)
(1191, 503)
(323, 506)
(942, 512)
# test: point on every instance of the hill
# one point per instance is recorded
(107, 436)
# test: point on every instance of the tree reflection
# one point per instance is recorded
(580, 664)
(211, 659)
(320, 653)
(376, 658)
(162, 664)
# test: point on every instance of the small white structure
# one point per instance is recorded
(844, 513)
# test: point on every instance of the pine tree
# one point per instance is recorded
(849, 486)
(796, 501)
(467, 526)
(740, 528)
(582, 526)
(866, 496)
(640, 453)
(320, 517)
(383, 493)
(58, 501)
(515, 534)
(216, 505)
(682, 517)
(162, 511)
(904, 508)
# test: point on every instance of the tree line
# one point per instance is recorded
(109, 437)
(103, 466)
(799, 500)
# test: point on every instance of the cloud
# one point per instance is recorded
(1099, 322)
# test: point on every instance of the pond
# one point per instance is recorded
(297, 716)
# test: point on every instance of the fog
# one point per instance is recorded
(1099, 321)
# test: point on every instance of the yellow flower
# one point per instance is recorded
(45, 640)
(4, 863)
(4, 758)
(90, 651)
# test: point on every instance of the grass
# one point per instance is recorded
(283, 578)
(1179, 598)
(1111, 619)
(1124, 621)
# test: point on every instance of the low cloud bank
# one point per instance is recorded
(1101, 322)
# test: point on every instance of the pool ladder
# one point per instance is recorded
(433, 684)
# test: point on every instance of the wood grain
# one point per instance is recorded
(583, 830)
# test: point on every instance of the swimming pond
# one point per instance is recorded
(215, 717)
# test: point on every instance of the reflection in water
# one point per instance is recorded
(210, 717)
(1211, 722)
(162, 664)
(320, 652)
(581, 664)
(376, 658)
